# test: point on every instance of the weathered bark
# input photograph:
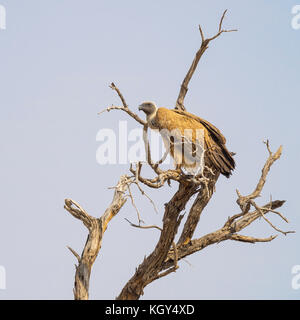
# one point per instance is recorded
(149, 270)
(202, 199)
(96, 228)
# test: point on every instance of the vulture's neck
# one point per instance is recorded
(151, 120)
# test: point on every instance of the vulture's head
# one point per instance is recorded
(148, 107)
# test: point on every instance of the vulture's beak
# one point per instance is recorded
(141, 107)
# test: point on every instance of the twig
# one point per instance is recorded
(124, 108)
(113, 87)
(140, 188)
(260, 210)
(136, 209)
(75, 253)
(143, 227)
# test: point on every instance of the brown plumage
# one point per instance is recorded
(216, 155)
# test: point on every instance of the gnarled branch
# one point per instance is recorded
(96, 228)
(228, 232)
(150, 268)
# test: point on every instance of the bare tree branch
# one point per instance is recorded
(193, 67)
(124, 108)
(77, 256)
(96, 228)
(140, 188)
(227, 232)
(239, 237)
(143, 227)
(261, 211)
(244, 201)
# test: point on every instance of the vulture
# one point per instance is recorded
(192, 141)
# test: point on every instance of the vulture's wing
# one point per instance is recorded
(216, 152)
(215, 132)
(215, 145)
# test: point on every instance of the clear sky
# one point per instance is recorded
(57, 59)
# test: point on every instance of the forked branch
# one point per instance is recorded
(124, 106)
(193, 67)
(96, 228)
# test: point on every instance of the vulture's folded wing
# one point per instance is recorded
(215, 132)
(215, 147)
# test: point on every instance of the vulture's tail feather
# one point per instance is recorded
(222, 160)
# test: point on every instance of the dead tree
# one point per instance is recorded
(168, 252)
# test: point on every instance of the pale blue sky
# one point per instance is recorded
(57, 59)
